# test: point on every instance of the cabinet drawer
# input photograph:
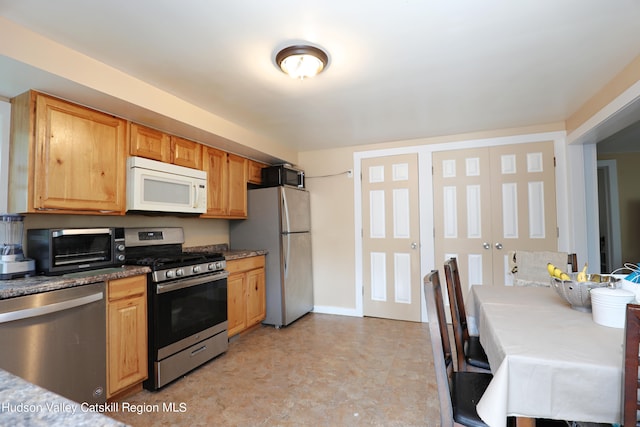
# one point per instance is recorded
(127, 287)
(245, 264)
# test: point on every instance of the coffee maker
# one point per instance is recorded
(13, 264)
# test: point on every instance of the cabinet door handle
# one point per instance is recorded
(486, 245)
(498, 246)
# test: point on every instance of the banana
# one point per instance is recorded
(582, 276)
(556, 272)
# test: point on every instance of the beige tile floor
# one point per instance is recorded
(322, 370)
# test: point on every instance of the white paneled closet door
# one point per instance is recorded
(390, 237)
(489, 201)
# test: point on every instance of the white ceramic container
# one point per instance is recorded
(608, 306)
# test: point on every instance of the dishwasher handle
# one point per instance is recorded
(50, 308)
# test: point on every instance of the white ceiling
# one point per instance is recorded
(399, 69)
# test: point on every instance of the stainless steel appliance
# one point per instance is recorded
(273, 176)
(187, 302)
(279, 221)
(57, 340)
(154, 186)
(68, 250)
(12, 261)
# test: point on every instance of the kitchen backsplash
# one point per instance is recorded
(197, 231)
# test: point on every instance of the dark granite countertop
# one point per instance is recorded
(229, 254)
(242, 253)
(36, 284)
(26, 404)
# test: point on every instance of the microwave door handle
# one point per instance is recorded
(195, 196)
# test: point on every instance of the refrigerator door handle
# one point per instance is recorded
(286, 255)
(285, 209)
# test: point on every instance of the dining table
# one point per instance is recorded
(548, 360)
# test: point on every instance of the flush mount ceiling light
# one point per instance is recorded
(302, 61)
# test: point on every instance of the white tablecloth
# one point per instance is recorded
(548, 360)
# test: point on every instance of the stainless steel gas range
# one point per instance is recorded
(187, 302)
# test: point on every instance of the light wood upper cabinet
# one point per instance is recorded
(149, 143)
(215, 164)
(255, 172)
(186, 153)
(227, 184)
(157, 145)
(237, 207)
(126, 333)
(65, 158)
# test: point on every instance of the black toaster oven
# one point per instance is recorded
(68, 250)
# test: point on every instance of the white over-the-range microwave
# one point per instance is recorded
(154, 186)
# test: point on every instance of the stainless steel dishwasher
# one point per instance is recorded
(57, 340)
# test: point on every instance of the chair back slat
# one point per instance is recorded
(573, 262)
(458, 313)
(631, 381)
(440, 344)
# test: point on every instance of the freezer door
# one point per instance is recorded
(297, 275)
(295, 210)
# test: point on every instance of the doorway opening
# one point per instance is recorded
(609, 216)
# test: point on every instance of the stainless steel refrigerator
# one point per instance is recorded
(279, 221)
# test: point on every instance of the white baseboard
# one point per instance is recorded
(336, 310)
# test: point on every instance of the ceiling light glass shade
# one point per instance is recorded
(301, 61)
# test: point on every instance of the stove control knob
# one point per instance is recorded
(179, 272)
(219, 265)
(170, 274)
(196, 269)
(211, 266)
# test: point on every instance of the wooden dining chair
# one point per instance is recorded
(631, 382)
(458, 392)
(470, 354)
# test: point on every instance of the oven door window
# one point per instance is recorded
(187, 311)
(81, 248)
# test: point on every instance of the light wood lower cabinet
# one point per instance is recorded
(126, 333)
(246, 293)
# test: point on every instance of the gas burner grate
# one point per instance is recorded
(177, 260)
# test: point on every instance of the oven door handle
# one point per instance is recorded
(162, 288)
(80, 231)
